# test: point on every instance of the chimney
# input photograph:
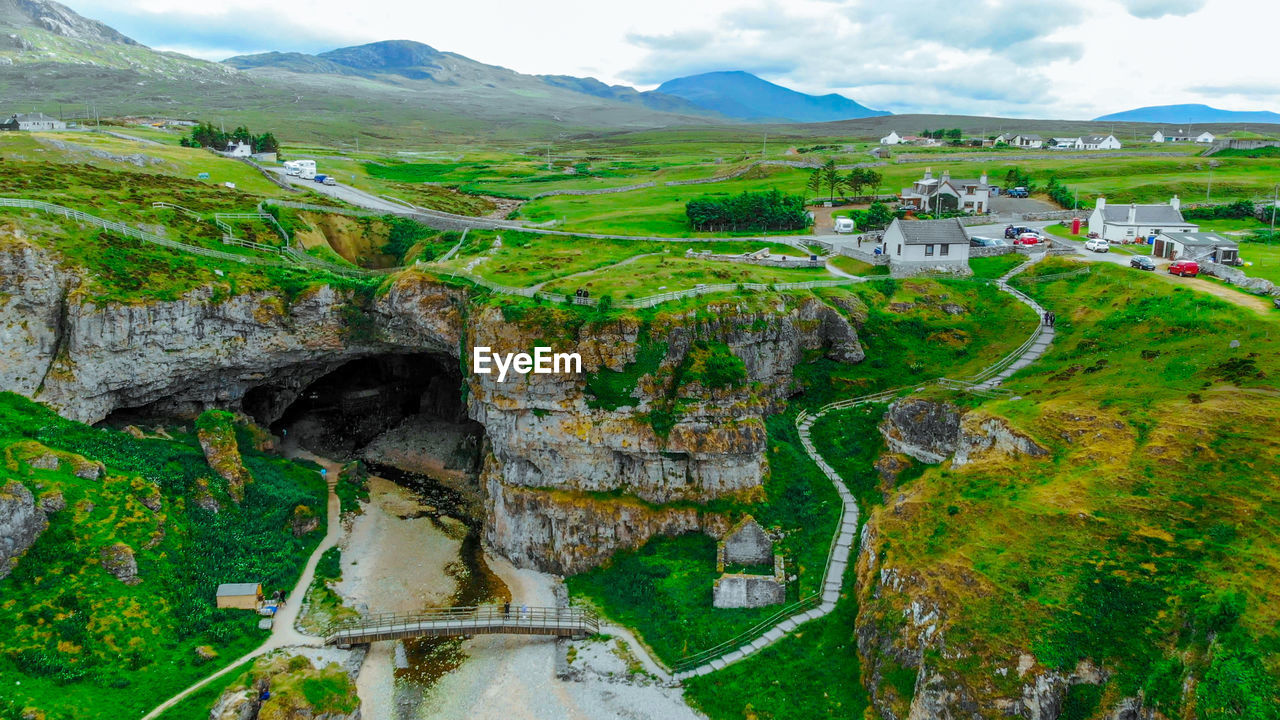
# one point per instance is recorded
(946, 175)
(983, 180)
(1133, 214)
(1176, 203)
(1102, 203)
(928, 173)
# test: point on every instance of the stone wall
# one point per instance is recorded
(992, 251)
(748, 591)
(764, 261)
(596, 191)
(1082, 213)
(900, 269)
(1235, 276)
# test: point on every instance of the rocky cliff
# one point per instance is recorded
(21, 522)
(671, 438)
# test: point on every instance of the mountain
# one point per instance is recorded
(58, 19)
(744, 96)
(1174, 114)
(652, 99)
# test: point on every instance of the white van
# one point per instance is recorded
(844, 225)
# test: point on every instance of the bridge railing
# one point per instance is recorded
(463, 617)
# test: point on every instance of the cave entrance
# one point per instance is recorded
(400, 410)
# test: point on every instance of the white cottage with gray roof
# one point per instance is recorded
(919, 246)
(1131, 223)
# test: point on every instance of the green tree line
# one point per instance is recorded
(206, 135)
(768, 210)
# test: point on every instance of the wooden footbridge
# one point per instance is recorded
(460, 621)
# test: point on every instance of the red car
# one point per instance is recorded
(1027, 239)
(1184, 268)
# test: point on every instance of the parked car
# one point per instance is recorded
(1028, 238)
(1000, 242)
(1019, 192)
(1185, 268)
(1097, 245)
(330, 181)
(979, 241)
(1142, 262)
(1093, 235)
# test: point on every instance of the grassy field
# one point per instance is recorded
(80, 643)
(1264, 259)
(653, 275)
(854, 266)
(1143, 541)
(996, 265)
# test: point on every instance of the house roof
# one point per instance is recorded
(236, 589)
(932, 232)
(1030, 136)
(1146, 215)
(1202, 239)
(34, 117)
(1094, 138)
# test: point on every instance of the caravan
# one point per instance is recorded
(304, 169)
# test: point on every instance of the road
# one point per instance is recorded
(283, 633)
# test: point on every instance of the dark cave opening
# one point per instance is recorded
(383, 408)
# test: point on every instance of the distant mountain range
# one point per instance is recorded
(1187, 114)
(744, 96)
(732, 95)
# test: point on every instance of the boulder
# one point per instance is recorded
(927, 430)
(21, 522)
(118, 560)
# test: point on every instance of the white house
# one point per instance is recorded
(916, 246)
(1100, 142)
(893, 138)
(1130, 223)
(1199, 246)
(1027, 141)
(929, 194)
(239, 150)
(1067, 143)
(1181, 135)
(37, 121)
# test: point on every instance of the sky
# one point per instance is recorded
(1070, 59)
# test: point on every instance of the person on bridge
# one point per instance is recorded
(506, 610)
(524, 612)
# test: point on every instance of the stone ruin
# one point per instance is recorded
(748, 544)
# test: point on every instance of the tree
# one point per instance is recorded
(877, 217)
(872, 179)
(855, 181)
(814, 184)
(831, 177)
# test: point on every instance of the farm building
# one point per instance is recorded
(240, 596)
(37, 121)
(1128, 223)
(916, 246)
(1100, 142)
(1180, 135)
(1027, 141)
(1198, 246)
(893, 138)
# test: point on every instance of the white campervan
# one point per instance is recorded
(844, 225)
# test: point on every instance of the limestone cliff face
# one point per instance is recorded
(86, 360)
(22, 520)
(547, 433)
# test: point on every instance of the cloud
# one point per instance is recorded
(1153, 9)
(217, 36)
(994, 58)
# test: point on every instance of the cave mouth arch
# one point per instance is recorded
(362, 402)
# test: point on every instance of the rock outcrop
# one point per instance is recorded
(926, 430)
(119, 561)
(21, 522)
(932, 431)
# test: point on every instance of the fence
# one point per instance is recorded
(133, 232)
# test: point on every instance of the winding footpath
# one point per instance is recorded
(283, 632)
(847, 530)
